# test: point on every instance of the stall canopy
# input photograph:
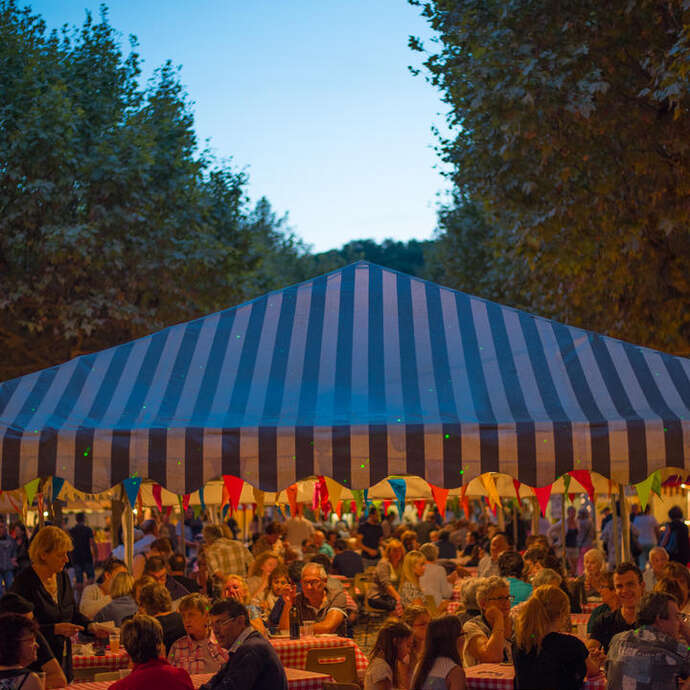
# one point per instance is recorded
(358, 374)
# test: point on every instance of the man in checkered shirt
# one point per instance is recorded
(228, 556)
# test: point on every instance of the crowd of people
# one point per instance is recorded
(199, 600)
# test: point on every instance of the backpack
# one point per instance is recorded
(669, 540)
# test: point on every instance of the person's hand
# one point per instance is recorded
(289, 594)
(598, 656)
(67, 629)
(493, 615)
(398, 608)
(99, 630)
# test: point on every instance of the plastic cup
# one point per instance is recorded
(114, 643)
(42, 679)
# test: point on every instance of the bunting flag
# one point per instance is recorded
(339, 509)
(399, 487)
(377, 506)
(334, 490)
(132, 485)
(644, 489)
(197, 510)
(234, 486)
(168, 511)
(465, 501)
(358, 496)
(656, 483)
(543, 494)
(420, 505)
(316, 498)
(571, 497)
(201, 499)
(157, 496)
(491, 491)
(440, 498)
(386, 505)
(367, 502)
(323, 493)
(291, 492)
(185, 502)
(224, 511)
(31, 488)
(585, 478)
(58, 483)
(353, 508)
(259, 500)
(516, 486)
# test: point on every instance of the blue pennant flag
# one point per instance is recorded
(132, 485)
(367, 502)
(201, 499)
(57, 487)
(399, 487)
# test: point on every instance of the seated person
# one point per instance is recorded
(142, 637)
(587, 585)
(156, 568)
(155, 601)
(315, 603)
(236, 588)
(97, 595)
(347, 561)
(197, 651)
(122, 604)
(271, 602)
(512, 568)
(45, 661)
(609, 600)
(17, 652)
(414, 565)
(177, 564)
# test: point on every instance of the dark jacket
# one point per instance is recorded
(47, 612)
(254, 666)
(176, 588)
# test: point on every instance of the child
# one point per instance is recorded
(392, 645)
(440, 667)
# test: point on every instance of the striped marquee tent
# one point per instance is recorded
(358, 374)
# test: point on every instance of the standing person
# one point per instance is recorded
(84, 554)
(253, 663)
(392, 646)
(675, 537)
(382, 592)
(8, 557)
(298, 528)
(648, 534)
(544, 657)
(225, 555)
(585, 536)
(21, 538)
(370, 535)
(440, 667)
(47, 586)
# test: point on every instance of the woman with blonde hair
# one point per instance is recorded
(413, 567)
(257, 579)
(236, 588)
(544, 657)
(122, 604)
(382, 593)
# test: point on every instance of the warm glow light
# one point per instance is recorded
(683, 486)
(135, 511)
(45, 513)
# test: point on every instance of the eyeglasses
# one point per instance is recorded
(510, 599)
(219, 624)
(312, 583)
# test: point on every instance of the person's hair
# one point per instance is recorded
(680, 573)
(535, 554)
(142, 637)
(675, 513)
(410, 562)
(280, 571)
(113, 564)
(546, 576)
(194, 601)
(260, 561)
(408, 538)
(14, 603)
(444, 535)
(340, 545)
(140, 583)
(230, 608)
(154, 564)
(211, 533)
(628, 567)
(468, 593)
(177, 562)
(163, 545)
(274, 528)
(659, 549)
(393, 545)
(385, 646)
(322, 559)
(148, 526)
(122, 585)
(12, 627)
(606, 579)
(412, 612)
(318, 567)
(667, 585)
(155, 598)
(80, 517)
(441, 640)
(490, 584)
(243, 584)
(49, 539)
(295, 571)
(546, 605)
(654, 605)
(430, 551)
(510, 564)
(595, 554)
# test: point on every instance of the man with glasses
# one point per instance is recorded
(655, 654)
(252, 662)
(328, 610)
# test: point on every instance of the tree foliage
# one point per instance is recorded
(570, 137)
(112, 222)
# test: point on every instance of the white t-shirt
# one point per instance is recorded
(436, 680)
(646, 525)
(377, 671)
(93, 599)
(298, 529)
(434, 582)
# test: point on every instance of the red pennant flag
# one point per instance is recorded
(465, 501)
(185, 502)
(339, 509)
(323, 491)
(168, 510)
(543, 493)
(386, 505)
(571, 497)
(291, 492)
(353, 508)
(157, 489)
(14, 505)
(441, 497)
(234, 486)
(516, 484)
(585, 478)
(420, 505)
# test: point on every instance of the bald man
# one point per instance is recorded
(488, 565)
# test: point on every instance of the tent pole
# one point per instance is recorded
(128, 535)
(625, 525)
(614, 528)
(536, 511)
(564, 560)
(515, 525)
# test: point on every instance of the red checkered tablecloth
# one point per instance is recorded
(298, 679)
(108, 662)
(293, 653)
(501, 677)
(590, 606)
(453, 606)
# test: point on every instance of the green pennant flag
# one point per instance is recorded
(197, 511)
(377, 506)
(644, 489)
(358, 496)
(656, 483)
(31, 488)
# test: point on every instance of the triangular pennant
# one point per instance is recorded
(323, 494)
(197, 510)
(168, 511)
(367, 502)
(571, 497)
(259, 500)
(491, 490)
(291, 492)
(440, 498)
(353, 508)
(31, 488)
(420, 505)
(399, 487)
(339, 509)
(157, 496)
(132, 485)
(643, 489)
(224, 511)
(465, 502)
(358, 496)
(543, 494)
(201, 499)
(584, 478)
(234, 486)
(335, 490)
(316, 498)
(58, 482)
(656, 483)
(377, 505)
(386, 505)
(516, 486)
(185, 502)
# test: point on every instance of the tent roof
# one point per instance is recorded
(358, 374)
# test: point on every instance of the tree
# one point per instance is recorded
(570, 133)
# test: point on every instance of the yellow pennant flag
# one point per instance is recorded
(335, 490)
(491, 490)
(259, 500)
(644, 488)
